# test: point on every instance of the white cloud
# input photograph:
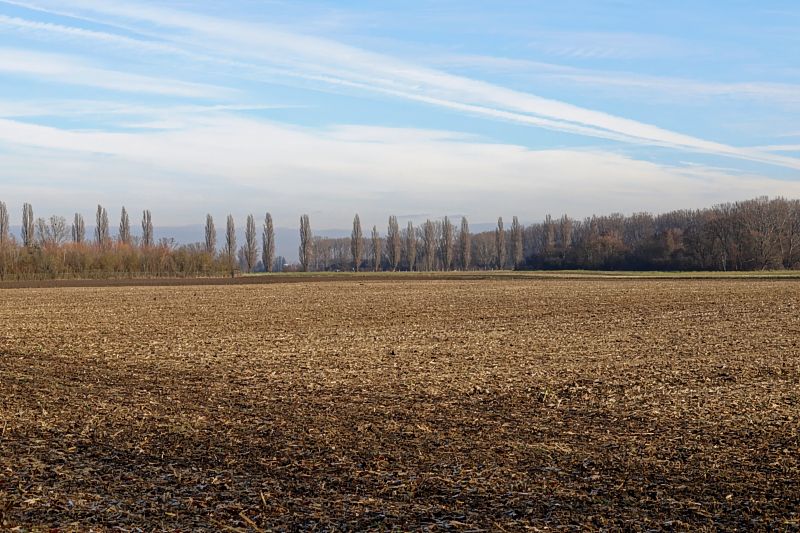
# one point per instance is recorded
(646, 86)
(327, 62)
(609, 45)
(780, 148)
(251, 165)
(112, 111)
(83, 34)
(73, 71)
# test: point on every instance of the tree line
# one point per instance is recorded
(755, 234)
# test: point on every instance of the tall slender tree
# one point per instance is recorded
(306, 243)
(356, 243)
(394, 243)
(429, 244)
(230, 244)
(411, 246)
(268, 244)
(517, 253)
(102, 236)
(250, 244)
(78, 229)
(500, 244)
(147, 229)
(465, 244)
(566, 235)
(549, 238)
(5, 225)
(28, 237)
(376, 249)
(447, 239)
(211, 235)
(124, 227)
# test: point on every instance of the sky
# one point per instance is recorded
(408, 107)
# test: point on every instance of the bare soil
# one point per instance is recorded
(468, 404)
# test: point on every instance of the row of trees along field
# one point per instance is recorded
(755, 234)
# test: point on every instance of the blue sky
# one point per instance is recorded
(414, 108)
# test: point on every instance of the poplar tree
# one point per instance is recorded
(101, 232)
(211, 235)
(78, 229)
(393, 243)
(517, 252)
(411, 246)
(230, 244)
(268, 244)
(429, 244)
(27, 225)
(124, 227)
(500, 244)
(5, 225)
(376, 249)
(447, 239)
(465, 244)
(147, 229)
(356, 243)
(250, 244)
(306, 244)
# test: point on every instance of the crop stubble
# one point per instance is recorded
(381, 404)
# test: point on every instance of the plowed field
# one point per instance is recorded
(451, 404)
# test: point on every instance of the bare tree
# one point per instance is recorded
(393, 243)
(411, 246)
(230, 245)
(5, 225)
(448, 243)
(465, 244)
(40, 229)
(500, 244)
(517, 254)
(268, 244)
(306, 243)
(211, 235)
(549, 236)
(5, 240)
(429, 244)
(376, 249)
(101, 231)
(147, 229)
(124, 227)
(758, 219)
(242, 260)
(566, 235)
(27, 225)
(250, 244)
(78, 229)
(356, 243)
(51, 233)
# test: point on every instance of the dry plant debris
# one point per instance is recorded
(442, 405)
